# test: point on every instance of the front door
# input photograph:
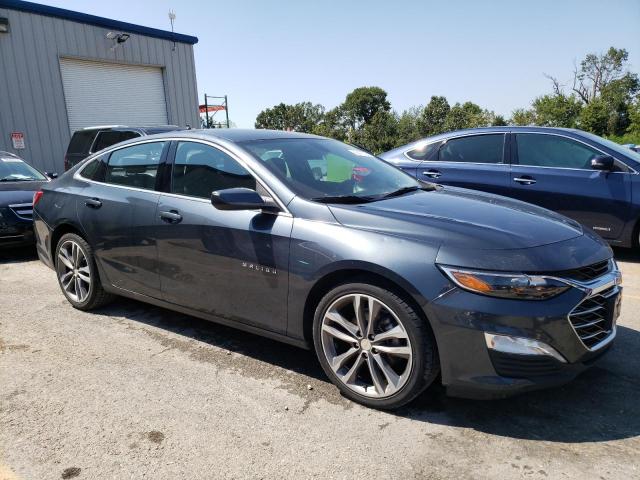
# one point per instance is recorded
(477, 162)
(231, 264)
(555, 172)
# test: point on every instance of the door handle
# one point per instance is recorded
(93, 203)
(171, 217)
(432, 173)
(524, 180)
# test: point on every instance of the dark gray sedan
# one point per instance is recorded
(394, 282)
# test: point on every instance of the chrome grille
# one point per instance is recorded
(23, 210)
(586, 274)
(593, 318)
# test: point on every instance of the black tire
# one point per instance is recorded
(425, 365)
(97, 296)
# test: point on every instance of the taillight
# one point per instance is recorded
(37, 196)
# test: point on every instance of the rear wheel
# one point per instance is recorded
(77, 273)
(373, 345)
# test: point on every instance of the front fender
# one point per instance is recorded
(321, 249)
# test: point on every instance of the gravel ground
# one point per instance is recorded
(135, 391)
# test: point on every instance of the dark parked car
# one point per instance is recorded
(18, 184)
(583, 176)
(393, 281)
(89, 140)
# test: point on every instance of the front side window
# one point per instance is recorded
(135, 166)
(200, 169)
(473, 149)
(539, 150)
(15, 170)
(109, 137)
(323, 169)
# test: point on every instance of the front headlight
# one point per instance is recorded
(506, 285)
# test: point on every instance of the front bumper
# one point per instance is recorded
(472, 370)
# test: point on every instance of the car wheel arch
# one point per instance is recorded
(330, 280)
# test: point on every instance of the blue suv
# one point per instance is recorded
(580, 175)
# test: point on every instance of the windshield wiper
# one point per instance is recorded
(401, 191)
(344, 199)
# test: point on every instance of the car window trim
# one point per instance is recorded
(502, 162)
(95, 139)
(515, 161)
(77, 175)
(443, 141)
(171, 163)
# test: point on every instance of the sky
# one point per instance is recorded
(494, 53)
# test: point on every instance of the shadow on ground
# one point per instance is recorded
(598, 406)
(17, 255)
(631, 255)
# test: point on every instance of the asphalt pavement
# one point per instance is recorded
(135, 391)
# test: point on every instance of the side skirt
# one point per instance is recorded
(212, 318)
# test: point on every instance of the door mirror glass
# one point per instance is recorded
(240, 199)
(602, 162)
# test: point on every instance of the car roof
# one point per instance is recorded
(132, 127)
(471, 131)
(8, 154)
(234, 135)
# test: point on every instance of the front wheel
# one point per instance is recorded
(373, 345)
(77, 273)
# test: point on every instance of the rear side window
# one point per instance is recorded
(109, 137)
(473, 149)
(424, 152)
(135, 166)
(539, 150)
(81, 141)
(201, 169)
(95, 169)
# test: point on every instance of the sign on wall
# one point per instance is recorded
(17, 139)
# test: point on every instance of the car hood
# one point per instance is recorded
(460, 218)
(18, 192)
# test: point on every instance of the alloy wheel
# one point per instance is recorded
(366, 345)
(73, 271)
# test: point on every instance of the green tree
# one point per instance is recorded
(466, 115)
(557, 110)
(594, 117)
(523, 117)
(300, 117)
(434, 115)
(410, 126)
(379, 134)
(362, 104)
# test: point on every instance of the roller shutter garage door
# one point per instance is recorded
(112, 94)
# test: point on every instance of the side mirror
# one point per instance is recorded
(240, 199)
(51, 175)
(602, 162)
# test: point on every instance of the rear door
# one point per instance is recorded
(554, 171)
(478, 162)
(231, 264)
(117, 211)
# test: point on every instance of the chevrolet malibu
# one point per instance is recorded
(394, 282)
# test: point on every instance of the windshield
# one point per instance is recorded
(328, 170)
(614, 146)
(15, 170)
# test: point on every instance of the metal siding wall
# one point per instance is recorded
(31, 93)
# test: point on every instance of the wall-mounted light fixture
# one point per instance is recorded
(4, 25)
(118, 38)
